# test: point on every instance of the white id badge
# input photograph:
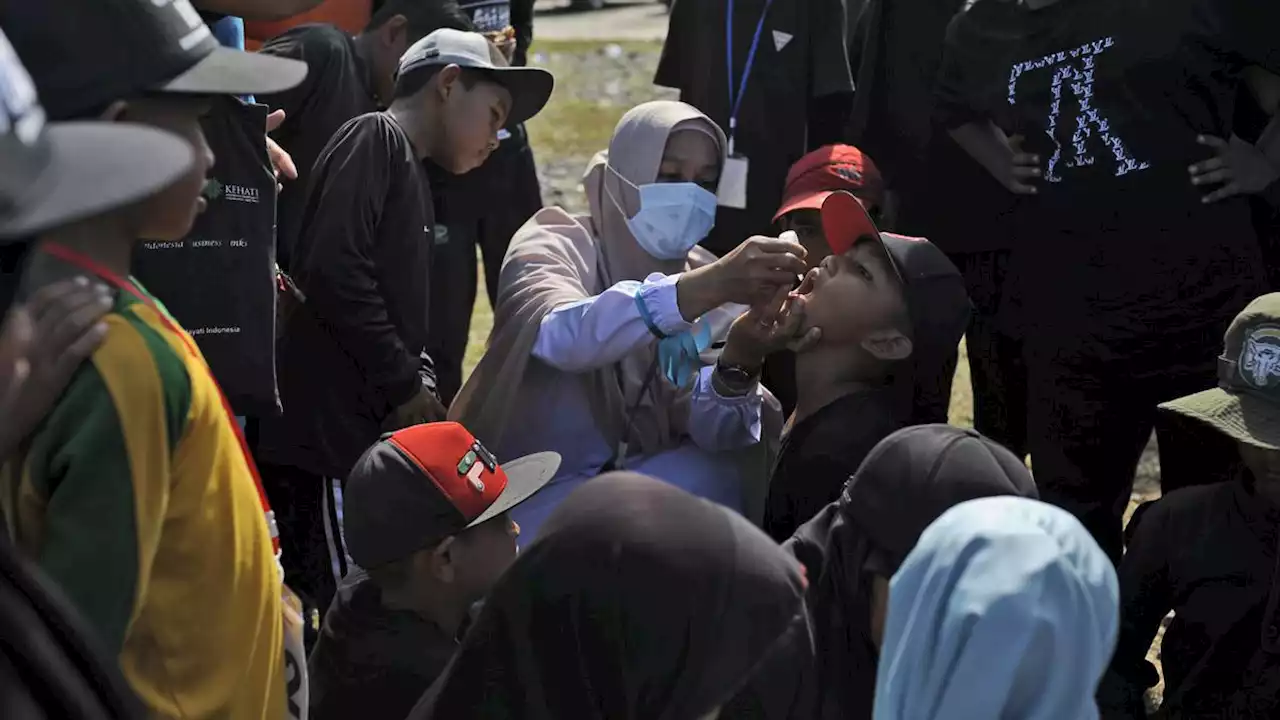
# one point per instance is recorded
(732, 192)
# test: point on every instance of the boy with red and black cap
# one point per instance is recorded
(813, 179)
(809, 182)
(890, 309)
(136, 493)
(427, 520)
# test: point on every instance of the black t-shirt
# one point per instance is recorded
(958, 204)
(337, 88)
(1207, 553)
(372, 662)
(802, 55)
(487, 16)
(353, 351)
(821, 452)
(1112, 94)
(897, 48)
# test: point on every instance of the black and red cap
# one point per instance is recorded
(936, 298)
(418, 486)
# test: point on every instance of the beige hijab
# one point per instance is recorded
(556, 259)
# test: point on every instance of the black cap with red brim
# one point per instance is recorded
(937, 301)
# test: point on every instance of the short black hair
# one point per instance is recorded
(424, 16)
(412, 82)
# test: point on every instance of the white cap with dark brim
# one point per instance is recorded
(530, 88)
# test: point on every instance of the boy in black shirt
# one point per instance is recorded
(810, 182)
(428, 522)
(348, 76)
(886, 306)
(469, 217)
(1208, 553)
(350, 359)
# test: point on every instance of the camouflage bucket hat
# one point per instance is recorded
(1246, 403)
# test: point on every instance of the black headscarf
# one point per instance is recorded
(637, 601)
(905, 483)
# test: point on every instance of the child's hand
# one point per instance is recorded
(281, 160)
(766, 329)
(1240, 167)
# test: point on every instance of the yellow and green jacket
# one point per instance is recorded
(135, 496)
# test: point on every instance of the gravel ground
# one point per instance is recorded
(618, 20)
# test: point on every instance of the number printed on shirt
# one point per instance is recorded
(1072, 71)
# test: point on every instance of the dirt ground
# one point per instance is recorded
(618, 20)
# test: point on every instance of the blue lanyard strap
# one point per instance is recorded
(735, 99)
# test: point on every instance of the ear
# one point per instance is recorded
(114, 112)
(446, 79)
(888, 345)
(443, 561)
(393, 31)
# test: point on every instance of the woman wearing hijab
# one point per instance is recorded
(854, 546)
(601, 321)
(1006, 608)
(638, 601)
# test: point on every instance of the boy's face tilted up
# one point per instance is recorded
(857, 298)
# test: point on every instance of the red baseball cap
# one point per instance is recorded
(418, 486)
(828, 169)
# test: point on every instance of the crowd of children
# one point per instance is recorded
(703, 469)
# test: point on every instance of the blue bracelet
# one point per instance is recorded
(648, 319)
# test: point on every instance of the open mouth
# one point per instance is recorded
(808, 282)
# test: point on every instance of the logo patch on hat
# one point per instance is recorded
(848, 173)
(474, 463)
(1260, 358)
(780, 40)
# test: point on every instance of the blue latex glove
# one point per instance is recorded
(678, 354)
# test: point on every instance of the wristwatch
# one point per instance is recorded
(736, 378)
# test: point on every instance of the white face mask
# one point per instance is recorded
(673, 217)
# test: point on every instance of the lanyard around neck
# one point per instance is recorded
(96, 268)
(735, 99)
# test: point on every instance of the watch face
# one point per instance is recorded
(735, 375)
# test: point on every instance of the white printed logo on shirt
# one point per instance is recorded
(1071, 72)
(780, 39)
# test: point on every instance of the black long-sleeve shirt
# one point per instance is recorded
(339, 86)
(352, 352)
(1207, 553)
